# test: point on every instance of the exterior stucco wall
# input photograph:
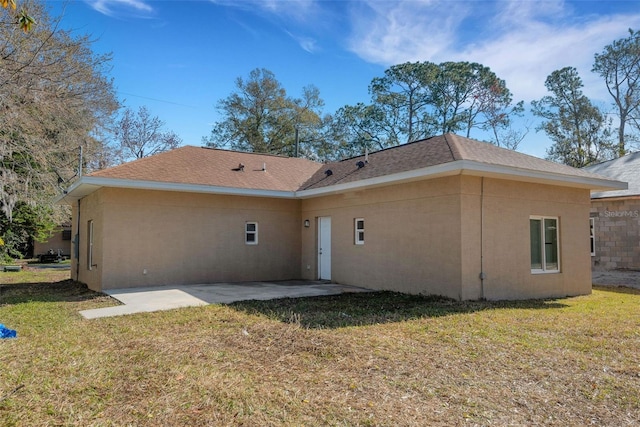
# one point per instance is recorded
(617, 233)
(471, 222)
(412, 237)
(506, 240)
(161, 238)
(91, 209)
(438, 236)
(431, 237)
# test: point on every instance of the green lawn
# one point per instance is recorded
(379, 359)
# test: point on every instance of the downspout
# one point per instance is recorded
(482, 275)
(77, 248)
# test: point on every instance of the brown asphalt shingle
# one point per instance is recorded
(431, 152)
(215, 167)
(207, 166)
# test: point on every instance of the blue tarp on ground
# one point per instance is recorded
(7, 333)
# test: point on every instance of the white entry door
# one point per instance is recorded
(324, 248)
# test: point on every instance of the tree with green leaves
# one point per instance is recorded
(139, 135)
(20, 18)
(355, 129)
(468, 95)
(580, 132)
(29, 223)
(421, 99)
(619, 64)
(402, 96)
(498, 111)
(260, 117)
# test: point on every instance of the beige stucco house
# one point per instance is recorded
(447, 215)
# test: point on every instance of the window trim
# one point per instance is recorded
(544, 269)
(592, 235)
(248, 233)
(358, 237)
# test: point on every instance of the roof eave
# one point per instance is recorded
(89, 184)
(542, 177)
(472, 168)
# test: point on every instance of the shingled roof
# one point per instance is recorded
(218, 171)
(625, 168)
(435, 151)
(215, 167)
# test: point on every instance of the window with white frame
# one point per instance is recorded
(592, 236)
(359, 231)
(90, 245)
(545, 253)
(251, 233)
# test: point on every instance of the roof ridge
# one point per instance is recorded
(393, 147)
(458, 147)
(281, 156)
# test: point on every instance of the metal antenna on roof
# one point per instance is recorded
(80, 163)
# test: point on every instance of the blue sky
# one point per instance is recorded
(179, 58)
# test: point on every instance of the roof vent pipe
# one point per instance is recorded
(360, 164)
(328, 172)
(264, 167)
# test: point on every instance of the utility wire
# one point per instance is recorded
(157, 100)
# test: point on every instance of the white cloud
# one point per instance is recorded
(299, 14)
(298, 11)
(395, 32)
(522, 42)
(107, 7)
(306, 43)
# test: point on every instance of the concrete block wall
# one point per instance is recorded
(617, 233)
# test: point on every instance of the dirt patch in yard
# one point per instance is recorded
(629, 278)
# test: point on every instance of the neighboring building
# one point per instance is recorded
(59, 244)
(446, 215)
(615, 216)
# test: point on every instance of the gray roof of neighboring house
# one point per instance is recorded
(625, 168)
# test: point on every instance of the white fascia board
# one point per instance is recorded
(88, 184)
(541, 177)
(468, 167)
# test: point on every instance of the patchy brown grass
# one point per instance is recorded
(31, 274)
(378, 359)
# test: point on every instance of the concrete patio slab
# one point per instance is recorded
(139, 300)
